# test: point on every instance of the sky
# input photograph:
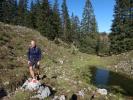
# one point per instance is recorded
(103, 10)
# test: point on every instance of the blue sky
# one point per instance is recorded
(103, 10)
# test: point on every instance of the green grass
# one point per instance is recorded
(74, 67)
(21, 95)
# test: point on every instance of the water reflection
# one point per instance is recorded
(101, 77)
(114, 82)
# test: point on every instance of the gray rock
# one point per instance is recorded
(42, 93)
(55, 98)
(62, 97)
(35, 85)
(102, 91)
(81, 93)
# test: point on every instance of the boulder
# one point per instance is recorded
(42, 93)
(35, 85)
(62, 97)
(102, 91)
(31, 84)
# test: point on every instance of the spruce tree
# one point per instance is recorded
(7, 7)
(8, 11)
(14, 12)
(32, 15)
(56, 21)
(1, 10)
(121, 36)
(89, 34)
(22, 13)
(44, 19)
(88, 23)
(75, 28)
(66, 23)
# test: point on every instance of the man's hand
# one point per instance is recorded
(28, 62)
(38, 63)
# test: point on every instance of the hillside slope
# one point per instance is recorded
(63, 65)
(14, 41)
(56, 63)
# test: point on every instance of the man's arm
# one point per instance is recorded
(39, 54)
(28, 55)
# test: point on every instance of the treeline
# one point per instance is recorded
(53, 22)
(121, 37)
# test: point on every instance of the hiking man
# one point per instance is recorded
(34, 57)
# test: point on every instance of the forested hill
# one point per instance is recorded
(53, 21)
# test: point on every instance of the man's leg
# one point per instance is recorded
(31, 72)
(38, 74)
(37, 71)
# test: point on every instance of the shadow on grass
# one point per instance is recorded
(74, 97)
(114, 82)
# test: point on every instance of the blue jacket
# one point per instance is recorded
(34, 54)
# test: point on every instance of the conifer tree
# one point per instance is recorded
(56, 21)
(8, 10)
(32, 15)
(66, 23)
(75, 28)
(1, 10)
(44, 19)
(121, 36)
(89, 34)
(88, 23)
(22, 13)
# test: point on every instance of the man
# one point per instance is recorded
(34, 57)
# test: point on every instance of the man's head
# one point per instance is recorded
(33, 43)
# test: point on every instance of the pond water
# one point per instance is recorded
(101, 77)
(112, 81)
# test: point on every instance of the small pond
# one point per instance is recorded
(112, 81)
